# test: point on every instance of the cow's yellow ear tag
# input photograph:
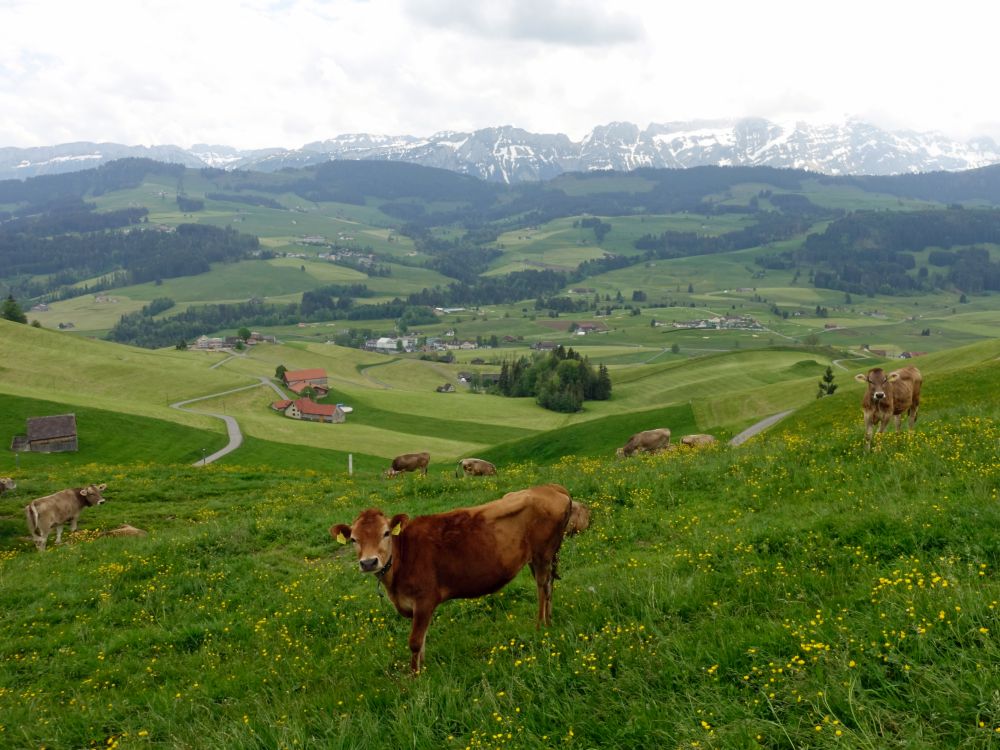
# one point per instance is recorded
(396, 529)
(341, 538)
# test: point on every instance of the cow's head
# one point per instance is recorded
(878, 382)
(6, 483)
(371, 534)
(92, 495)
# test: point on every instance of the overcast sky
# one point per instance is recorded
(265, 73)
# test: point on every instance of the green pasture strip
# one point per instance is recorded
(852, 198)
(598, 437)
(258, 452)
(796, 592)
(104, 437)
(78, 371)
(257, 419)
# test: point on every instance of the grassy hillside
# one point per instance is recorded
(794, 592)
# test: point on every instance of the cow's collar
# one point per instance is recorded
(380, 574)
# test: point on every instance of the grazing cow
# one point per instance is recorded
(579, 519)
(476, 467)
(461, 554)
(889, 395)
(57, 509)
(6, 483)
(698, 441)
(408, 462)
(648, 441)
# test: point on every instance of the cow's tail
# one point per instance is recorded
(31, 512)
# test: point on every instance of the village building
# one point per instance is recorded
(298, 380)
(55, 434)
(308, 410)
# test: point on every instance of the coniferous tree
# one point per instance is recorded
(12, 311)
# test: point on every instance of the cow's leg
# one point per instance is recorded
(913, 414)
(418, 635)
(72, 523)
(543, 570)
(59, 533)
(869, 430)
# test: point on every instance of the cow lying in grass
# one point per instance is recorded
(58, 509)
(699, 440)
(475, 467)
(7, 484)
(462, 554)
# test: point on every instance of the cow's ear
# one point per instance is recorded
(398, 522)
(893, 376)
(341, 532)
(101, 487)
(84, 491)
(861, 377)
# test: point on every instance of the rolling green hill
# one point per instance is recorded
(796, 591)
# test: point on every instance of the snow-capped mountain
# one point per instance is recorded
(509, 154)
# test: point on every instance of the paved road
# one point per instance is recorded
(762, 425)
(232, 427)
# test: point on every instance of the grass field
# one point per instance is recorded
(794, 592)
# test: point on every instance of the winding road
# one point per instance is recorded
(232, 427)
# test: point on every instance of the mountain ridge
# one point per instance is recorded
(508, 154)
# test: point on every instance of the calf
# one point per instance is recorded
(408, 462)
(889, 395)
(57, 509)
(6, 483)
(461, 554)
(475, 467)
(648, 441)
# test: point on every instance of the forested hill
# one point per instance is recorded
(854, 234)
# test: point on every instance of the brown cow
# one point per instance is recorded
(698, 440)
(648, 441)
(476, 467)
(461, 554)
(408, 462)
(889, 395)
(57, 509)
(6, 483)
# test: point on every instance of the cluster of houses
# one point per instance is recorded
(409, 344)
(214, 343)
(730, 322)
(309, 382)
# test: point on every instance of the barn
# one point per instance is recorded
(55, 434)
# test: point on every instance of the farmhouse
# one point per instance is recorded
(299, 380)
(55, 434)
(309, 410)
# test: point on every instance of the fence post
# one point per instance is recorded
(350, 464)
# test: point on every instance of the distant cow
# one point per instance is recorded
(408, 462)
(476, 467)
(698, 440)
(59, 508)
(889, 395)
(649, 441)
(461, 554)
(6, 483)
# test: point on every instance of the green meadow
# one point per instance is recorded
(795, 591)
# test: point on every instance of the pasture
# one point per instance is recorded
(793, 592)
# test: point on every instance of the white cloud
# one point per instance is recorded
(285, 72)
